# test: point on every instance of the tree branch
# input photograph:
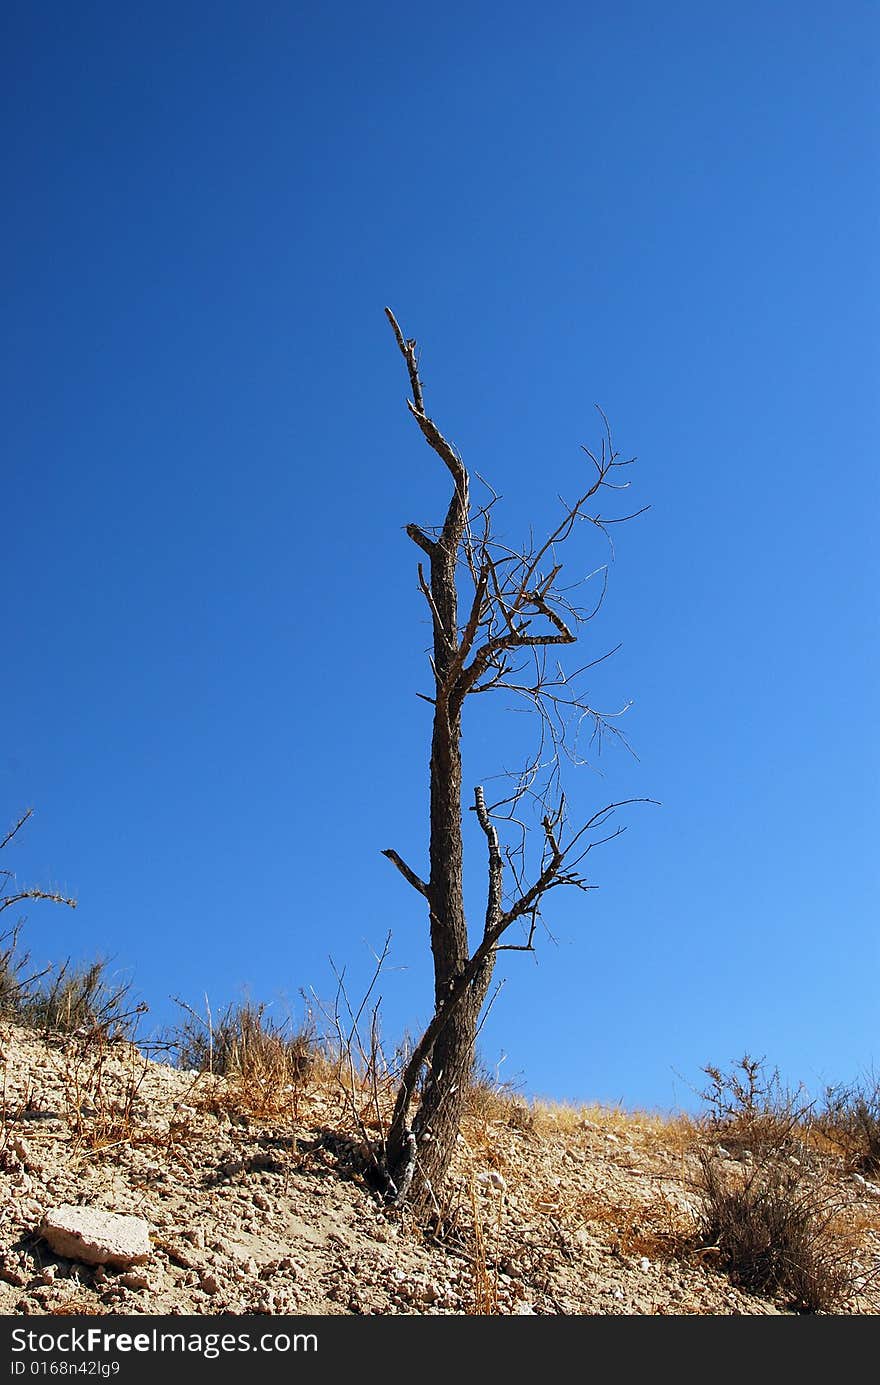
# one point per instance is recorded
(496, 861)
(456, 515)
(28, 813)
(410, 875)
(7, 901)
(408, 351)
(421, 538)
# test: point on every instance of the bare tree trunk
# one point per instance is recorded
(418, 1158)
(515, 610)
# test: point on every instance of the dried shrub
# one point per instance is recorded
(751, 1112)
(15, 981)
(777, 1231)
(82, 1000)
(266, 1064)
(484, 1274)
(101, 1082)
(850, 1121)
(771, 1214)
(65, 999)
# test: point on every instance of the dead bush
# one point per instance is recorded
(266, 1064)
(751, 1112)
(16, 982)
(850, 1121)
(771, 1214)
(777, 1231)
(67, 999)
(101, 1082)
(81, 1000)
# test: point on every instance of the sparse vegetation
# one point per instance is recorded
(850, 1121)
(82, 1000)
(493, 1102)
(266, 1064)
(100, 1106)
(767, 1187)
(70, 999)
(67, 998)
(770, 1207)
(549, 1208)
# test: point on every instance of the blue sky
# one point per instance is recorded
(212, 634)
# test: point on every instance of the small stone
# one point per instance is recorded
(493, 1179)
(208, 1284)
(22, 1149)
(96, 1237)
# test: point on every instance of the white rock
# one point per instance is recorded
(493, 1179)
(96, 1237)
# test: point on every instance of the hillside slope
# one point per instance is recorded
(550, 1212)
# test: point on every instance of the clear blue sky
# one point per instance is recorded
(212, 635)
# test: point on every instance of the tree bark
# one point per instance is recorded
(418, 1156)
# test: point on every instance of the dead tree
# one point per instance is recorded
(498, 615)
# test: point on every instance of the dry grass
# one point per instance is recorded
(849, 1122)
(485, 1278)
(673, 1132)
(64, 999)
(96, 1019)
(78, 1308)
(491, 1103)
(656, 1231)
(265, 1065)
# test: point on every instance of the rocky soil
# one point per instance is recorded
(549, 1212)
